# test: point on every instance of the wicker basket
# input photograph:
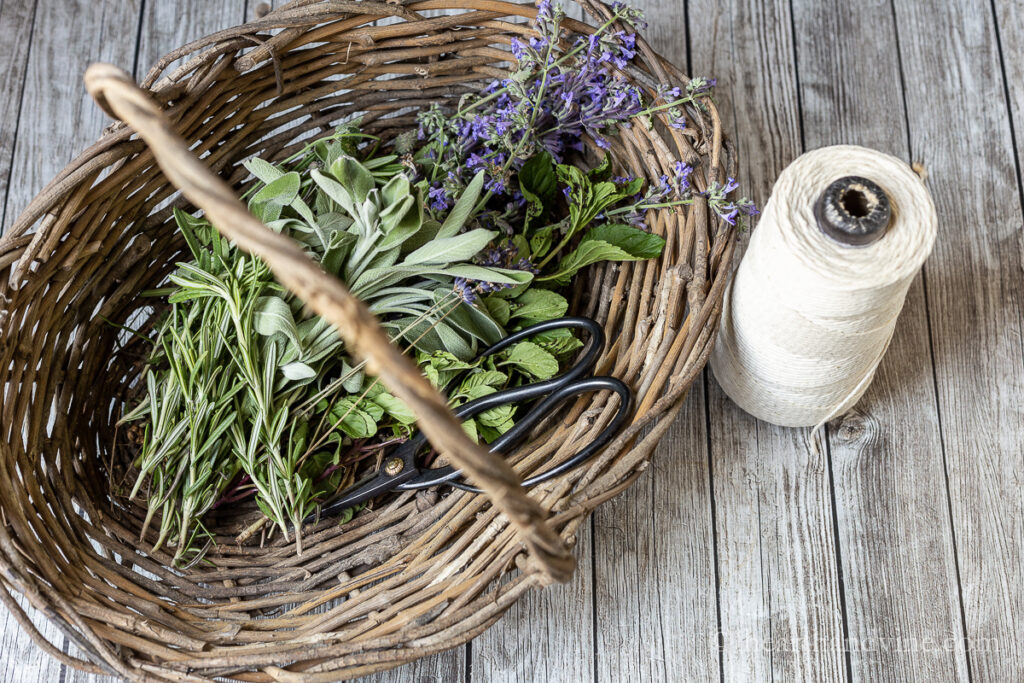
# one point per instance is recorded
(419, 573)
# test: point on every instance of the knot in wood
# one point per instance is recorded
(855, 426)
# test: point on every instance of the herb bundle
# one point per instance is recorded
(462, 232)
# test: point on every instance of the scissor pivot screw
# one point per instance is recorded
(393, 466)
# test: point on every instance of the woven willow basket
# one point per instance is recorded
(416, 574)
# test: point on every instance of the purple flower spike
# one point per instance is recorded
(464, 289)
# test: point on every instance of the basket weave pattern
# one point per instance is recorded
(418, 573)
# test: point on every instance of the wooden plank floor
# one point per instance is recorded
(896, 553)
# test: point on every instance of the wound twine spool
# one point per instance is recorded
(815, 299)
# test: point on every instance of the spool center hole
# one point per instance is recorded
(855, 203)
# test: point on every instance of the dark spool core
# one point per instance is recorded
(853, 211)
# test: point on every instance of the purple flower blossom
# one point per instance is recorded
(729, 210)
(498, 257)
(544, 107)
(629, 15)
(517, 50)
(439, 199)
(700, 86)
(465, 290)
(666, 94)
(485, 287)
(495, 185)
(527, 265)
(682, 176)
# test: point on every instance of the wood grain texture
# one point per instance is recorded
(16, 23)
(895, 538)
(654, 579)
(58, 119)
(169, 25)
(654, 573)
(951, 64)
(545, 635)
(790, 565)
(779, 596)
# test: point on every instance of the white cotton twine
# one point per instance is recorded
(807, 319)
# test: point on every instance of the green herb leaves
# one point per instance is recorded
(250, 397)
(451, 249)
(610, 242)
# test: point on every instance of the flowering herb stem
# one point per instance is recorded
(689, 99)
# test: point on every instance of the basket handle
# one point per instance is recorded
(119, 96)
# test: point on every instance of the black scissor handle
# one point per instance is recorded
(586, 361)
(514, 436)
(551, 392)
(527, 392)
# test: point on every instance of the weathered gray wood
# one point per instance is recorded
(169, 25)
(21, 660)
(545, 636)
(1010, 20)
(779, 580)
(895, 536)
(58, 119)
(654, 575)
(653, 600)
(959, 129)
(654, 586)
(16, 20)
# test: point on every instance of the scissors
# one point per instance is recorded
(402, 470)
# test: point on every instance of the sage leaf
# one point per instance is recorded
(608, 243)
(271, 315)
(559, 342)
(396, 190)
(450, 249)
(395, 407)
(427, 231)
(491, 378)
(499, 308)
(471, 319)
(540, 242)
(500, 418)
(352, 378)
(281, 191)
(469, 426)
(354, 176)
(335, 191)
(538, 184)
(602, 171)
(298, 371)
(265, 171)
(353, 420)
(639, 244)
(477, 391)
(463, 208)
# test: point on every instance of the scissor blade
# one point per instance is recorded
(378, 484)
(354, 495)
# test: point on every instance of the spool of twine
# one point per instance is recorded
(815, 299)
